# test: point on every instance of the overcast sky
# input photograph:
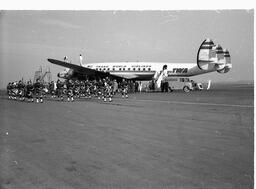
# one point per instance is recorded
(28, 38)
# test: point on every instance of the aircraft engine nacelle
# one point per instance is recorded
(213, 57)
(66, 74)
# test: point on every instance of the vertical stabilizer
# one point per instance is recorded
(213, 57)
(227, 62)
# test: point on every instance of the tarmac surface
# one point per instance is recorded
(150, 140)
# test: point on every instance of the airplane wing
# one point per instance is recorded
(83, 70)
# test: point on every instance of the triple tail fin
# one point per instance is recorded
(211, 56)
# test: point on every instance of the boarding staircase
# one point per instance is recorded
(44, 77)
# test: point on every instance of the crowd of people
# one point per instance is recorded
(69, 89)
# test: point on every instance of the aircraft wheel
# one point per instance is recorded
(186, 89)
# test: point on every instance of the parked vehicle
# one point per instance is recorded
(185, 84)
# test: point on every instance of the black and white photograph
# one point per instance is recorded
(124, 99)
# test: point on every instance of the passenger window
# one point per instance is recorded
(144, 69)
(149, 69)
(113, 69)
(129, 69)
(120, 68)
(139, 69)
(133, 69)
(123, 68)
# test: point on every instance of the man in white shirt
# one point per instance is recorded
(165, 84)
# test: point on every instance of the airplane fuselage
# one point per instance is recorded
(147, 70)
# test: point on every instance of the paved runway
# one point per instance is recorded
(151, 140)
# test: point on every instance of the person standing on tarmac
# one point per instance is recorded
(124, 87)
(100, 88)
(38, 91)
(13, 90)
(21, 90)
(70, 88)
(76, 89)
(29, 91)
(82, 88)
(60, 87)
(88, 89)
(165, 84)
(107, 89)
(9, 90)
(51, 88)
(140, 86)
(115, 87)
